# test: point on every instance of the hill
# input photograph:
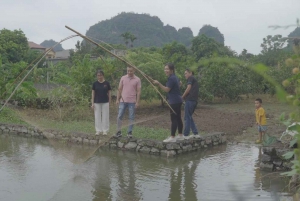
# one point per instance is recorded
(50, 43)
(149, 30)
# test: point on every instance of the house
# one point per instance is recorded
(36, 47)
(51, 54)
(41, 49)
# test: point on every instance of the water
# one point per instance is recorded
(35, 170)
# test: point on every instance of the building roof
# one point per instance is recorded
(33, 45)
(62, 54)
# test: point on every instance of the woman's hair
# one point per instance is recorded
(171, 67)
(189, 71)
(100, 71)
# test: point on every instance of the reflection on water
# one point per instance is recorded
(33, 169)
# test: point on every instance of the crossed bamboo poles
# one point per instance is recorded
(148, 78)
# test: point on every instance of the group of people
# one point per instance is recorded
(128, 96)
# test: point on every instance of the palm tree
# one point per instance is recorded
(132, 38)
(126, 36)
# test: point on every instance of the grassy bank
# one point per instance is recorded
(10, 116)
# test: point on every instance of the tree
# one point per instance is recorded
(132, 38)
(202, 46)
(273, 52)
(13, 45)
(272, 43)
(212, 32)
(126, 36)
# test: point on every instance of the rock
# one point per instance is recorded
(112, 146)
(131, 145)
(59, 137)
(172, 145)
(277, 162)
(86, 141)
(266, 166)
(223, 139)
(265, 158)
(287, 165)
(187, 148)
(138, 148)
(159, 145)
(93, 142)
(145, 149)
(202, 143)
(208, 141)
(215, 143)
(154, 150)
(120, 144)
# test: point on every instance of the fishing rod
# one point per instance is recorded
(126, 62)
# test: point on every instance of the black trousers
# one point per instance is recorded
(176, 119)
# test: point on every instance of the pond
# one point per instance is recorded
(37, 170)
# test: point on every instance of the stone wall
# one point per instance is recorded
(148, 146)
(273, 160)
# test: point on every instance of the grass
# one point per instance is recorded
(46, 120)
(9, 116)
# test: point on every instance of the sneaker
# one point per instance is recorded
(118, 134)
(179, 137)
(97, 133)
(196, 136)
(258, 142)
(104, 133)
(170, 139)
(129, 134)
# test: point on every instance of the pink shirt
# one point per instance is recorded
(130, 86)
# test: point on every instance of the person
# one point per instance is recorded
(261, 119)
(190, 96)
(174, 100)
(128, 96)
(101, 97)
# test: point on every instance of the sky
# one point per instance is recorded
(244, 23)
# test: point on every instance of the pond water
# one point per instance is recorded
(37, 170)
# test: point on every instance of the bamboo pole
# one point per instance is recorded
(129, 64)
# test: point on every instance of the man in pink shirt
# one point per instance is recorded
(128, 95)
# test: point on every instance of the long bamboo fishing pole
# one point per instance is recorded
(141, 72)
(45, 53)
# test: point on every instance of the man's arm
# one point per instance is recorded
(187, 91)
(138, 96)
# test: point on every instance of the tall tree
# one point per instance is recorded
(212, 32)
(13, 45)
(126, 36)
(202, 46)
(132, 39)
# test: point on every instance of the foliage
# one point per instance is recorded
(13, 45)
(212, 32)
(273, 52)
(127, 36)
(226, 78)
(152, 65)
(204, 47)
(8, 82)
(50, 43)
(149, 30)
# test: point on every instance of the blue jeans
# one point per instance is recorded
(189, 109)
(122, 108)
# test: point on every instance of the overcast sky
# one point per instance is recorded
(244, 23)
